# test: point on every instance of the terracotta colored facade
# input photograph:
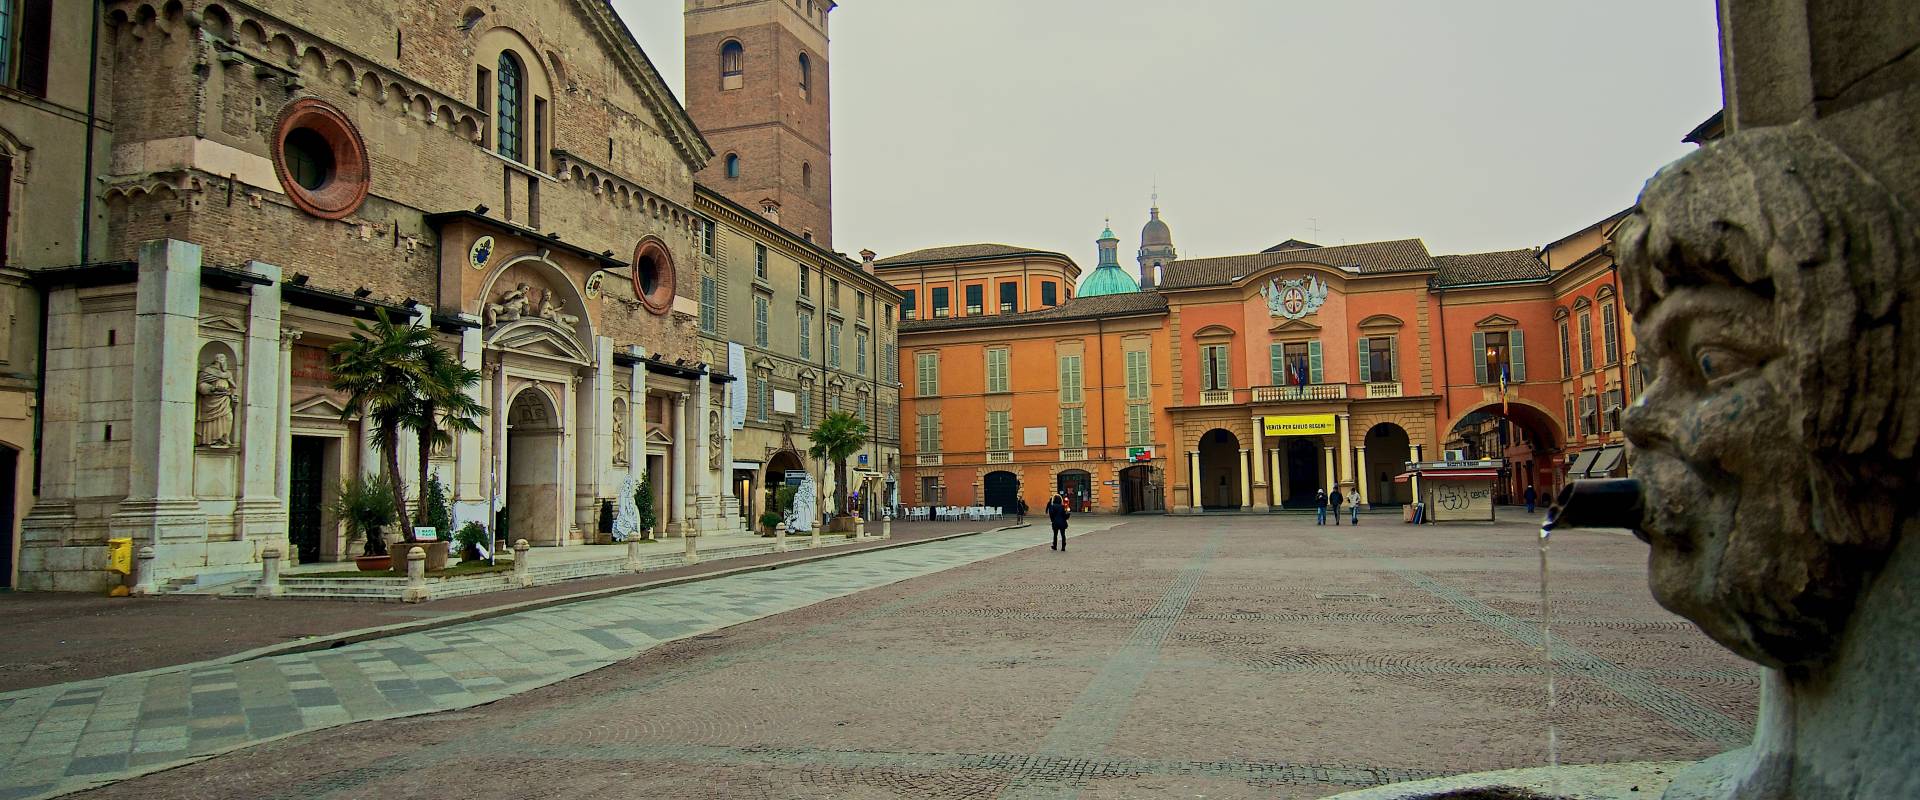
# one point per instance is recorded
(1272, 375)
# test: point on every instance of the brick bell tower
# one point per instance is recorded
(757, 87)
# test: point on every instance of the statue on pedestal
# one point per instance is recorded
(805, 511)
(626, 515)
(219, 395)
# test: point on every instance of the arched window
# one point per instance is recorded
(730, 57)
(733, 165)
(806, 78)
(510, 108)
(806, 174)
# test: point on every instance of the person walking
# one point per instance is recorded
(1355, 519)
(1335, 500)
(1320, 499)
(1057, 514)
(1531, 496)
(1020, 511)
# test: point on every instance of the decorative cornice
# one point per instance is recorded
(637, 69)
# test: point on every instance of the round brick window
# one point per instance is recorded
(320, 158)
(653, 275)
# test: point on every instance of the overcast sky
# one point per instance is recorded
(1473, 124)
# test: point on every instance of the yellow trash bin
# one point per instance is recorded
(120, 562)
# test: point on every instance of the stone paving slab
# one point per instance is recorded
(62, 738)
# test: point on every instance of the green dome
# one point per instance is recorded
(1108, 233)
(1108, 279)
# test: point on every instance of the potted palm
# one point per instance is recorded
(380, 370)
(839, 436)
(365, 508)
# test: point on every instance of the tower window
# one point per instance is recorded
(732, 73)
(806, 78)
(26, 44)
(806, 174)
(509, 107)
(733, 165)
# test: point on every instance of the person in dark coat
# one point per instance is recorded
(1334, 500)
(1320, 499)
(1532, 496)
(1057, 514)
(1020, 510)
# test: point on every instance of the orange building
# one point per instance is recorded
(1251, 382)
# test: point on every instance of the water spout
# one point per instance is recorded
(1598, 503)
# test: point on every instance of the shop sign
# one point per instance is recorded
(1139, 454)
(1298, 425)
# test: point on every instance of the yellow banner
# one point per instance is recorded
(1299, 425)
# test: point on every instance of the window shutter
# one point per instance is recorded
(1276, 364)
(1517, 350)
(1223, 376)
(1366, 365)
(1313, 362)
(1479, 357)
(1393, 360)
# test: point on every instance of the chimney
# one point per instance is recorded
(866, 260)
(770, 208)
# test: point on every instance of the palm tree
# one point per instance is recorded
(442, 407)
(380, 371)
(840, 435)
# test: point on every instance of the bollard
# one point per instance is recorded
(693, 549)
(859, 527)
(886, 527)
(416, 591)
(633, 555)
(143, 572)
(814, 540)
(780, 537)
(269, 574)
(520, 575)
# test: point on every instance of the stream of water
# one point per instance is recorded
(1546, 652)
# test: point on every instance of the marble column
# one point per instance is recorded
(1193, 479)
(637, 417)
(497, 451)
(283, 474)
(680, 522)
(1344, 447)
(703, 450)
(160, 506)
(730, 504)
(1331, 481)
(1278, 486)
(1414, 482)
(470, 487)
(260, 513)
(580, 520)
(1361, 480)
(1246, 486)
(1259, 461)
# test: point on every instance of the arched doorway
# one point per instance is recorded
(1077, 486)
(1524, 434)
(1219, 470)
(1388, 451)
(1303, 463)
(782, 463)
(1137, 492)
(1001, 490)
(534, 473)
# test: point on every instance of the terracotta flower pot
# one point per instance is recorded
(373, 563)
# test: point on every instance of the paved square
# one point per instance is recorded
(1166, 657)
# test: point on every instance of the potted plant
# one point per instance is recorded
(471, 536)
(837, 438)
(365, 507)
(771, 519)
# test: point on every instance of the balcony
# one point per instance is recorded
(1216, 397)
(927, 460)
(1380, 389)
(1291, 394)
(1073, 454)
(1000, 457)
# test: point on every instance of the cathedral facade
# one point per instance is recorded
(515, 178)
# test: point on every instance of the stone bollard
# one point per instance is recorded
(859, 527)
(780, 538)
(269, 574)
(143, 583)
(814, 540)
(633, 555)
(416, 591)
(521, 576)
(693, 548)
(886, 527)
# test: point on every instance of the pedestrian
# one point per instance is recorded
(1057, 514)
(1020, 510)
(1335, 500)
(1320, 499)
(1531, 496)
(1356, 512)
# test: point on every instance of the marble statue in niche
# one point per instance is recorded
(713, 440)
(619, 432)
(511, 306)
(554, 310)
(219, 396)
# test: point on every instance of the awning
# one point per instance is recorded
(1607, 462)
(1577, 468)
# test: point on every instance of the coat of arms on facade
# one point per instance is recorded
(1296, 297)
(480, 253)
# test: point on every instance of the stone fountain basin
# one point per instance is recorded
(1640, 780)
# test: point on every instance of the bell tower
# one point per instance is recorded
(757, 87)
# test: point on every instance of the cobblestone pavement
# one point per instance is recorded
(55, 637)
(68, 736)
(1230, 657)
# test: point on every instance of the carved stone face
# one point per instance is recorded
(1765, 274)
